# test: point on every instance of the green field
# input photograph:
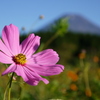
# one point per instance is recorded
(80, 80)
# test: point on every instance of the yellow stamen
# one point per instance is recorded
(20, 59)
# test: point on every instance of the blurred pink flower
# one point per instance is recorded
(22, 60)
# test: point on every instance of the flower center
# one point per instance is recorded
(19, 59)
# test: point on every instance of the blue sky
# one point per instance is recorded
(25, 13)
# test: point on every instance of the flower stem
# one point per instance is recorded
(4, 98)
(50, 40)
(10, 83)
(86, 69)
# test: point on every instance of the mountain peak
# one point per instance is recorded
(78, 23)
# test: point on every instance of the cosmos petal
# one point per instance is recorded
(34, 76)
(5, 58)
(47, 70)
(46, 57)
(4, 49)
(10, 36)
(29, 76)
(20, 72)
(30, 45)
(10, 69)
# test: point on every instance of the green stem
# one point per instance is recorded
(86, 76)
(31, 29)
(50, 40)
(20, 93)
(4, 98)
(82, 63)
(10, 83)
(8, 87)
(9, 91)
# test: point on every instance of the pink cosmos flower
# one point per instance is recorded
(23, 62)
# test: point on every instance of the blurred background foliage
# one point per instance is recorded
(79, 53)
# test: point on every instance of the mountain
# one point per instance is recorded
(77, 23)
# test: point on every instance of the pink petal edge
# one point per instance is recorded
(10, 36)
(10, 69)
(30, 45)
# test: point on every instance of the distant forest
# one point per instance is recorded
(71, 44)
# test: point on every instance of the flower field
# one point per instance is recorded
(80, 79)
